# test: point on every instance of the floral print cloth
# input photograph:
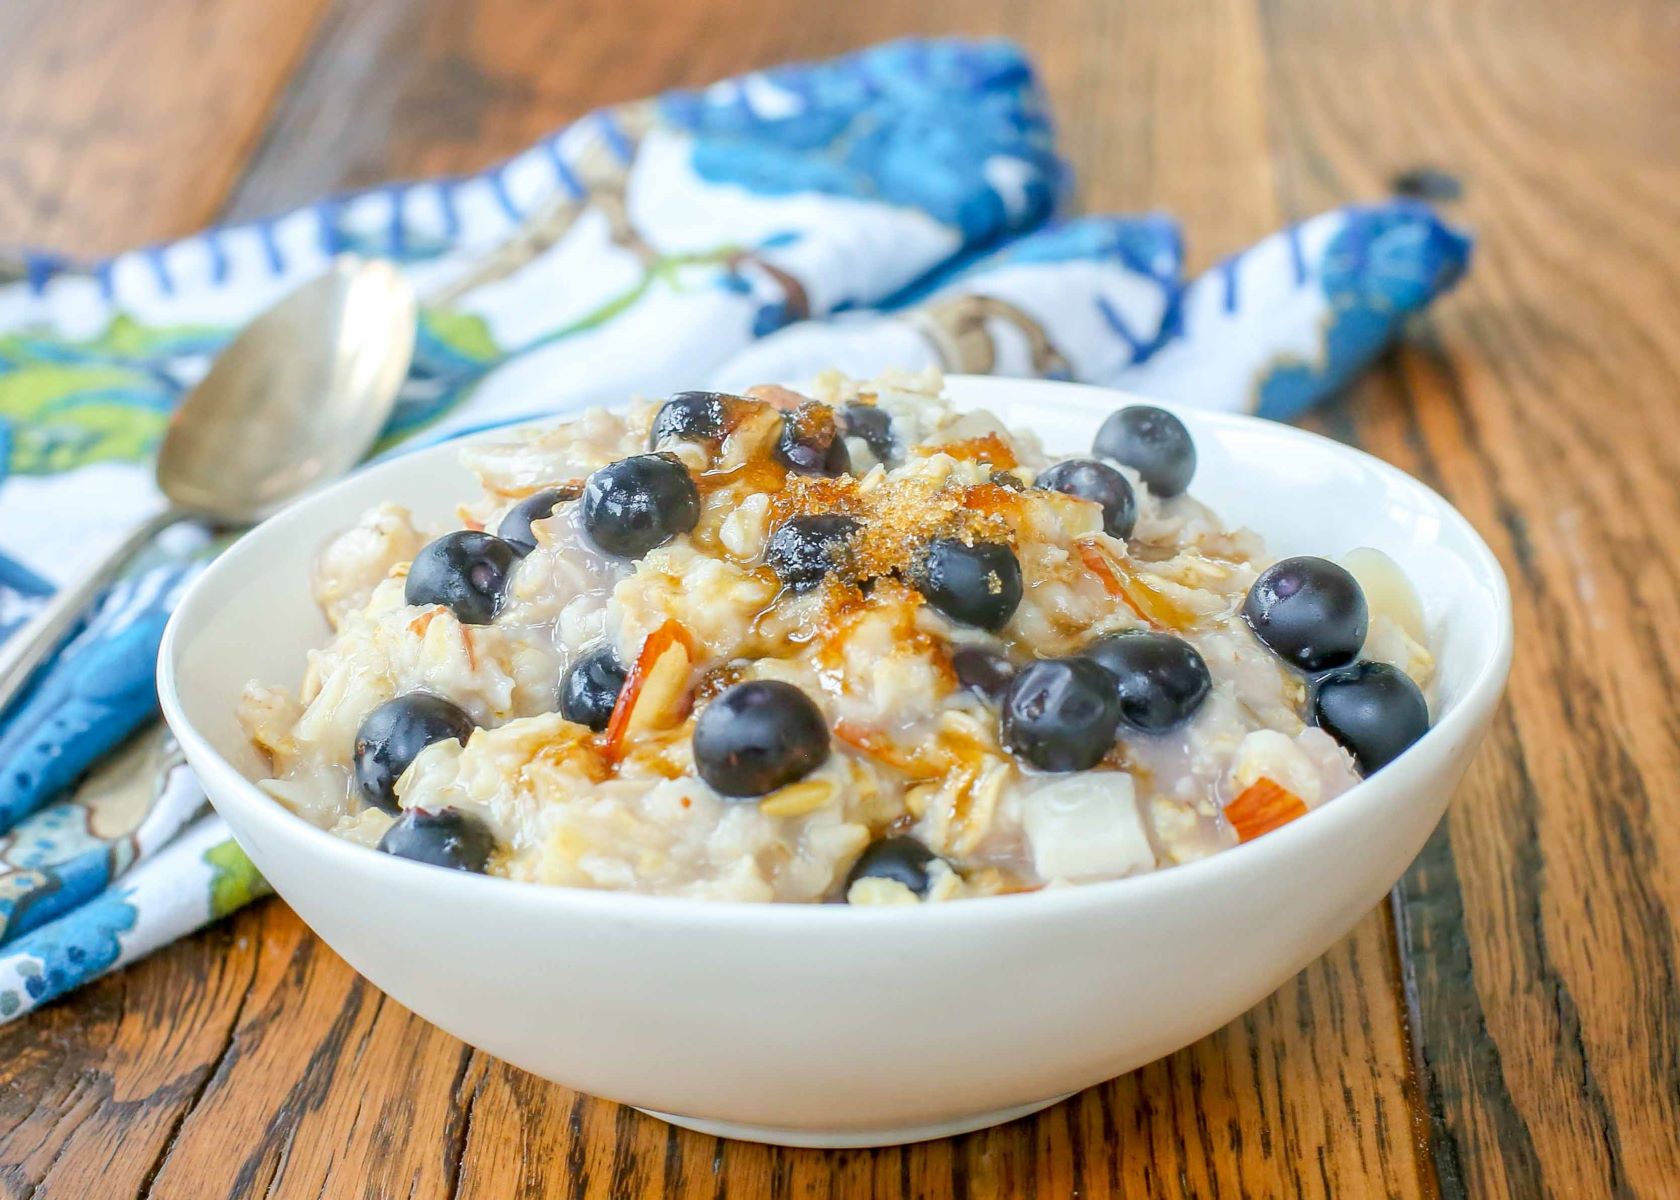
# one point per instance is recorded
(896, 207)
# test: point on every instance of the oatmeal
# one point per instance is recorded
(848, 646)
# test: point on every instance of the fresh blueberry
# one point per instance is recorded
(1091, 480)
(1162, 679)
(1152, 442)
(759, 736)
(589, 689)
(901, 859)
(515, 528)
(872, 426)
(984, 672)
(690, 416)
(1061, 714)
(1374, 710)
(976, 585)
(467, 572)
(640, 502)
(446, 838)
(392, 736)
(810, 442)
(806, 549)
(1309, 612)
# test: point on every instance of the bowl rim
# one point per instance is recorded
(1464, 721)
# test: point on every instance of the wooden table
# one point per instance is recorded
(1509, 1026)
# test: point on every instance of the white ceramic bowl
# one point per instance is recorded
(825, 1025)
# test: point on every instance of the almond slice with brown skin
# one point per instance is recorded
(655, 694)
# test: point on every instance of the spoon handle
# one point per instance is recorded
(26, 649)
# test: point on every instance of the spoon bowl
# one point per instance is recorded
(296, 399)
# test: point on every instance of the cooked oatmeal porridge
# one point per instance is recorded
(854, 645)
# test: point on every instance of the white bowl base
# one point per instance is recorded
(854, 1139)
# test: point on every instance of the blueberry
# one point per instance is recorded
(1152, 442)
(806, 549)
(984, 672)
(589, 689)
(901, 859)
(976, 585)
(640, 502)
(446, 838)
(392, 736)
(467, 572)
(1374, 710)
(759, 736)
(691, 416)
(872, 426)
(515, 528)
(1091, 480)
(1309, 612)
(1162, 679)
(810, 442)
(1061, 714)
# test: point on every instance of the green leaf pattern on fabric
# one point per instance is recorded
(234, 880)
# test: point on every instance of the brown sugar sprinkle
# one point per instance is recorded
(808, 495)
(900, 516)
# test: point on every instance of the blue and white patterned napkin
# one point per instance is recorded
(897, 207)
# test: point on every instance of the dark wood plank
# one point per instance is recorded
(358, 1097)
(96, 1088)
(1542, 401)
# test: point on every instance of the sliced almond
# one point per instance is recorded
(655, 694)
(1263, 807)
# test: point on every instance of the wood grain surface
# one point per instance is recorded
(1516, 1032)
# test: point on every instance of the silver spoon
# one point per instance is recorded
(295, 400)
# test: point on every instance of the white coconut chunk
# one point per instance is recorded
(1388, 593)
(1086, 826)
